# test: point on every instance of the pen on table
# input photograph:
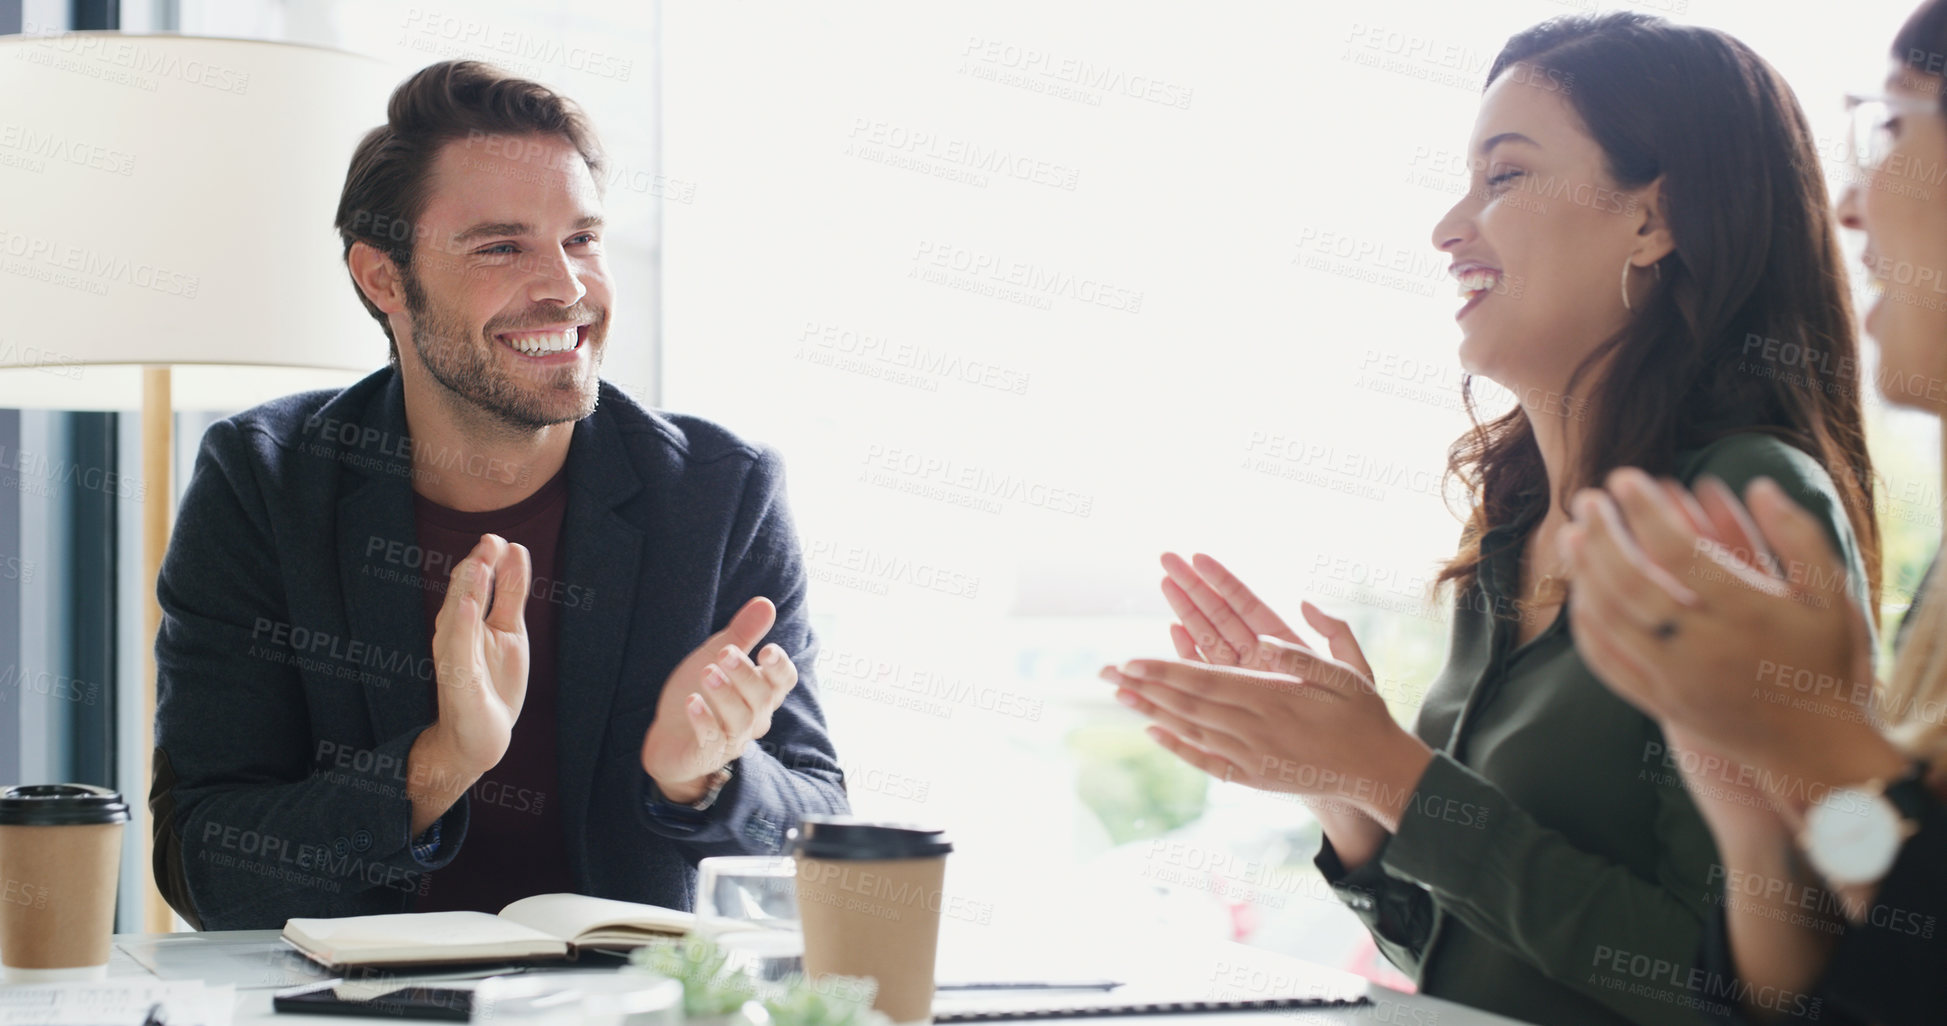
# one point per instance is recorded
(153, 1016)
(1033, 985)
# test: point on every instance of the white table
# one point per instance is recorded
(258, 963)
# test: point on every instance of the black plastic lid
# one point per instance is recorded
(843, 837)
(60, 805)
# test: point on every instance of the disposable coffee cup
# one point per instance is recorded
(60, 856)
(869, 900)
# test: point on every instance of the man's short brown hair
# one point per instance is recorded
(385, 188)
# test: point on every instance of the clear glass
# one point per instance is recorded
(748, 905)
(600, 998)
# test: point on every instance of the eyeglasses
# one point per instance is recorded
(1870, 137)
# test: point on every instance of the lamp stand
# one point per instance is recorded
(158, 445)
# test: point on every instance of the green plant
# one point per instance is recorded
(1135, 787)
(697, 964)
(827, 1001)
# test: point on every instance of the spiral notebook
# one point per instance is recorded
(991, 1006)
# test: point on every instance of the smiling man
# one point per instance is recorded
(479, 626)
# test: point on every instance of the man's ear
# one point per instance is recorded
(1653, 239)
(378, 277)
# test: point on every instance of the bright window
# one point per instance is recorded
(1028, 293)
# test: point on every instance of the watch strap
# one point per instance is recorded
(718, 780)
(713, 788)
(1909, 795)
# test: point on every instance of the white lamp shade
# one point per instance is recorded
(168, 200)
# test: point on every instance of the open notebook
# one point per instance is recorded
(545, 926)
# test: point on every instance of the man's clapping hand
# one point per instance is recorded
(480, 661)
(716, 702)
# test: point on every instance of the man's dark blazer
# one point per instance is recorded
(294, 663)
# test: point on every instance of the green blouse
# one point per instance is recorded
(1551, 866)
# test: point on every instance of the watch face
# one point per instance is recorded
(1852, 837)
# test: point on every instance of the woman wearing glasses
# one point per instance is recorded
(1528, 848)
(1824, 790)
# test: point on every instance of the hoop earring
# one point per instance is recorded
(1656, 267)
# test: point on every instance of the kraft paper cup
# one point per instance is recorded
(60, 856)
(869, 899)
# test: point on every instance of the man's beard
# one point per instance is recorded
(447, 349)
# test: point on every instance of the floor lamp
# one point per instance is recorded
(166, 244)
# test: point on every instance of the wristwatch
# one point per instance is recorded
(711, 788)
(1853, 834)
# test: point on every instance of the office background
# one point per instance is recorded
(1025, 293)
